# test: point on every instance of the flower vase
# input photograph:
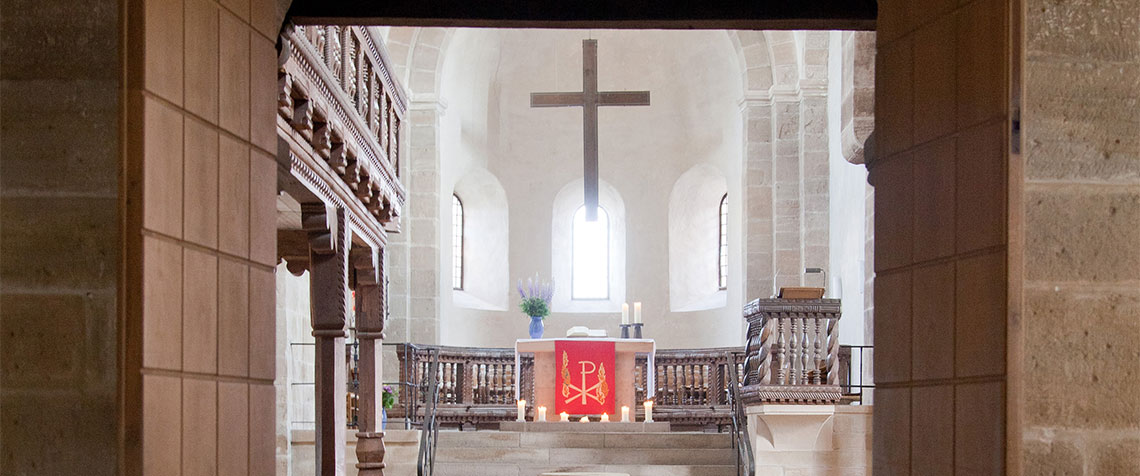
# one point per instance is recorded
(383, 418)
(536, 327)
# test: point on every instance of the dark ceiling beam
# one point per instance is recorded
(643, 14)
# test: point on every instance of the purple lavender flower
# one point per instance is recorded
(536, 296)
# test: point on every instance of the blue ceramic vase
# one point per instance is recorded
(383, 418)
(536, 327)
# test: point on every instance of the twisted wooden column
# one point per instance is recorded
(833, 351)
(767, 348)
(370, 318)
(328, 250)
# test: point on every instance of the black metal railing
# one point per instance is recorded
(429, 434)
(745, 462)
(855, 363)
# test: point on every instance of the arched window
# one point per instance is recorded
(590, 265)
(722, 256)
(456, 242)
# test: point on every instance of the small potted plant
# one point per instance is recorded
(535, 303)
(387, 400)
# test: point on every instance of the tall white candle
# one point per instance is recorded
(605, 417)
(625, 414)
(637, 313)
(563, 416)
(625, 313)
(522, 410)
(541, 414)
(648, 411)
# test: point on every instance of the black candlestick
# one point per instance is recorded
(625, 331)
(637, 330)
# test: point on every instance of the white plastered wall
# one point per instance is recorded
(485, 82)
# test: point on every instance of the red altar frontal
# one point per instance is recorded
(586, 376)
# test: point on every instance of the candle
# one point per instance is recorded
(625, 414)
(563, 416)
(625, 313)
(648, 411)
(541, 414)
(585, 419)
(522, 410)
(637, 313)
(605, 417)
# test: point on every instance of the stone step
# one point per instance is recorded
(492, 469)
(597, 456)
(506, 439)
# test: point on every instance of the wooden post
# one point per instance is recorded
(328, 244)
(370, 317)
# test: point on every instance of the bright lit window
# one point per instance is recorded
(591, 256)
(456, 242)
(722, 257)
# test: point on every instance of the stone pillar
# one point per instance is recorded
(815, 178)
(757, 187)
(370, 317)
(328, 241)
(787, 179)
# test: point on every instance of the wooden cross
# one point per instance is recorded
(589, 99)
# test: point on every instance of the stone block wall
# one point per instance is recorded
(59, 237)
(200, 237)
(1080, 333)
(940, 170)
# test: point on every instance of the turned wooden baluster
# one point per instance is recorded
(806, 353)
(819, 358)
(794, 353)
(781, 353)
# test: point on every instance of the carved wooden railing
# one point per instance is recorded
(477, 384)
(792, 351)
(340, 114)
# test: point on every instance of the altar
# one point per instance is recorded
(570, 374)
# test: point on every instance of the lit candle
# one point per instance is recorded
(585, 419)
(648, 411)
(522, 410)
(625, 414)
(637, 313)
(541, 414)
(605, 417)
(563, 416)
(625, 313)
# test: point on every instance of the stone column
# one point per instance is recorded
(328, 242)
(757, 187)
(370, 317)
(814, 180)
(787, 179)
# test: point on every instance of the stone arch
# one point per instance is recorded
(418, 53)
(753, 57)
(772, 58)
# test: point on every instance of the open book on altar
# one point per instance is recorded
(583, 331)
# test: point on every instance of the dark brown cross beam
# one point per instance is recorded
(589, 99)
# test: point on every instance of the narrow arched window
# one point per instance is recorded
(590, 264)
(456, 242)
(722, 255)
